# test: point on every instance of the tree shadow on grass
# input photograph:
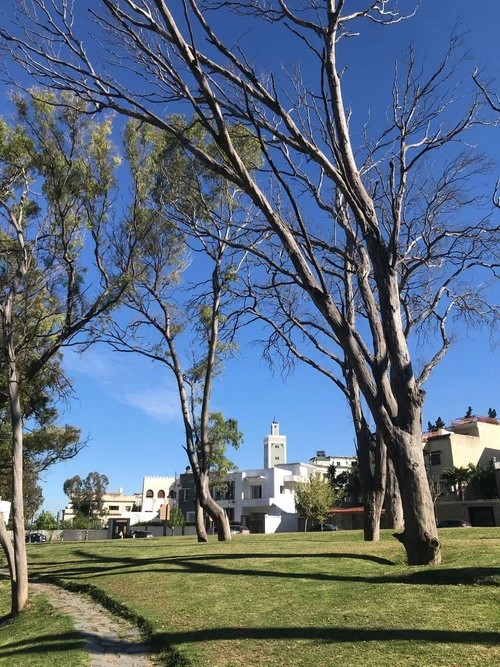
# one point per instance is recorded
(166, 641)
(43, 643)
(95, 644)
(327, 634)
(102, 565)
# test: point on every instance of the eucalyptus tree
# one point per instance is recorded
(182, 314)
(157, 57)
(56, 189)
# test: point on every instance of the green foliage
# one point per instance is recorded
(458, 477)
(346, 484)
(492, 413)
(86, 495)
(176, 517)
(483, 481)
(469, 412)
(45, 521)
(314, 498)
(222, 433)
(437, 425)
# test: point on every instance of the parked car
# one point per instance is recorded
(237, 528)
(140, 534)
(321, 527)
(35, 537)
(454, 523)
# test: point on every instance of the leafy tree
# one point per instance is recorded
(347, 483)
(176, 519)
(483, 481)
(222, 433)
(86, 495)
(45, 521)
(437, 425)
(492, 413)
(314, 498)
(458, 477)
(469, 412)
(183, 210)
(46, 296)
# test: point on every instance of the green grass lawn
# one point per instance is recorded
(297, 599)
(41, 636)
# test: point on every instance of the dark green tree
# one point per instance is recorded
(86, 495)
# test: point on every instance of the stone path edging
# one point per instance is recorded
(108, 639)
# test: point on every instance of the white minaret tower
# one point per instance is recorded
(274, 447)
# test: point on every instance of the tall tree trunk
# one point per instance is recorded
(201, 531)
(373, 488)
(214, 510)
(393, 507)
(419, 537)
(8, 550)
(20, 561)
(371, 463)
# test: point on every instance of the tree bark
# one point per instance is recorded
(214, 510)
(20, 561)
(374, 492)
(393, 507)
(201, 531)
(419, 536)
(8, 550)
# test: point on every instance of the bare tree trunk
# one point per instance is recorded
(393, 506)
(214, 510)
(201, 531)
(20, 561)
(419, 536)
(371, 463)
(374, 490)
(8, 549)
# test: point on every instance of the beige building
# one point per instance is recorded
(114, 505)
(469, 440)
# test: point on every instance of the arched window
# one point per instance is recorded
(161, 493)
(149, 493)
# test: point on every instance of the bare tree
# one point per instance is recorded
(308, 149)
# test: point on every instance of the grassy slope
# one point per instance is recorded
(39, 637)
(294, 599)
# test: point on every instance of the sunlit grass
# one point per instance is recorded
(40, 636)
(298, 599)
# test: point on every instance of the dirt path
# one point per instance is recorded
(109, 640)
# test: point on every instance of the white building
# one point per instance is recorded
(263, 499)
(322, 462)
(155, 493)
(5, 510)
(138, 507)
(274, 447)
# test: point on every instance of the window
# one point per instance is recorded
(161, 493)
(276, 458)
(256, 492)
(172, 494)
(128, 508)
(282, 489)
(149, 493)
(190, 516)
(185, 495)
(435, 458)
(337, 464)
(114, 508)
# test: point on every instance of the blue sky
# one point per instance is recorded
(128, 407)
